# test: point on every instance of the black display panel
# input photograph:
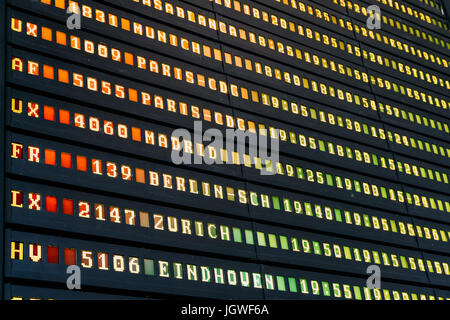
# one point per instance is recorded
(402, 28)
(96, 215)
(151, 270)
(318, 286)
(144, 270)
(354, 173)
(415, 15)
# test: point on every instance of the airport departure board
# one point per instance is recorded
(225, 149)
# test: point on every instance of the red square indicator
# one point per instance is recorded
(66, 160)
(70, 257)
(64, 116)
(49, 113)
(81, 163)
(52, 254)
(51, 204)
(68, 206)
(50, 157)
(49, 72)
(63, 76)
(136, 134)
